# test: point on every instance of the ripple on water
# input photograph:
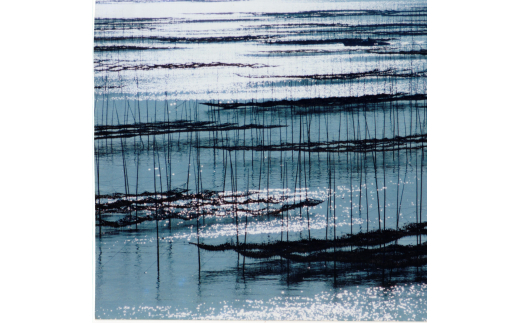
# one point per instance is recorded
(401, 302)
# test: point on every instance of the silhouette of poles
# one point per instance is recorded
(156, 206)
(245, 229)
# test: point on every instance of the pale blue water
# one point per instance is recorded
(131, 282)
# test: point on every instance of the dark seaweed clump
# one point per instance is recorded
(343, 13)
(360, 146)
(330, 101)
(179, 204)
(344, 41)
(402, 52)
(110, 24)
(347, 76)
(224, 39)
(313, 250)
(118, 68)
(159, 128)
(125, 48)
(109, 86)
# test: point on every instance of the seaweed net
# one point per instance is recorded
(348, 76)
(118, 68)
(179, 204)
(327, 102)
(372, 247)
(159, 128)
(411, 142)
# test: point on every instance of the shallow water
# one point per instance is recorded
(129, 285)
(153, 271)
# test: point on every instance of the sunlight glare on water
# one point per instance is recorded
(287, 123)
(356, 304)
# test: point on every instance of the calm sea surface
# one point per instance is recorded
(166, 62)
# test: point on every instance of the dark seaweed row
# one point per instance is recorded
(118, 68)
(160, 128)
(364, 145)
(347, 76)
(199, 204)
(283, 248)
(331, 101)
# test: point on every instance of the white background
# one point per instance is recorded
(47, 174)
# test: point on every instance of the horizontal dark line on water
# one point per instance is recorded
(361, 146)
(324, 101)
(344, 41)
(160, 128)
(159, 21)
(311, 51)
(317, 24)
(118, 68)
(109, 87)
(200, 204)
(107, 20)
(420, 11)
(361, 33)
(125, 48)
(389, 256)
(402, 52)
(104, 29)
(222, 39)
(347, 76)
(285, 248)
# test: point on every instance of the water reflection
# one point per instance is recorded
(252, 126)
